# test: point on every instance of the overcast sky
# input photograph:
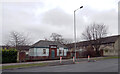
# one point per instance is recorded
(40, 18)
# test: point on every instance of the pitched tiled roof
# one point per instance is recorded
(105, 40)
(110, 39)
(45, 43)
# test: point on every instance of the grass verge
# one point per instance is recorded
(112, 57)
(45, 64)
(23, 66)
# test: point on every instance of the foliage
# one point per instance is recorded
(89, 51)
(0, 55)
(9, 55)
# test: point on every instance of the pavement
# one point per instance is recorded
(107, 65)
(64, 61)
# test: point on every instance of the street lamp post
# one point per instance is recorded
(75, 29)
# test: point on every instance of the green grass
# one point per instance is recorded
(23, 66)
(112, 57)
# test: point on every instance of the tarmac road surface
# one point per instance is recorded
(108, 65)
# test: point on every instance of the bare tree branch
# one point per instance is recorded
(18, 39)
(94, 33)
(56, 37)
(59, 38)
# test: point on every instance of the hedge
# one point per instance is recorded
(9, 55)
(0, 55)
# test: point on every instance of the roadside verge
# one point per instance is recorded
(49, 63)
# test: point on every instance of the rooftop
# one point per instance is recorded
(46, 43)
(105, 40)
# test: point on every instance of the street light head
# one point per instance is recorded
(81, 7)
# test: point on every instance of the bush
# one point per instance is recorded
(0, 55)
(89, 51)
(9, 55)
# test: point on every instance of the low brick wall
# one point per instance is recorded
(39, 58)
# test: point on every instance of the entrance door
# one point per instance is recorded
(53, 54)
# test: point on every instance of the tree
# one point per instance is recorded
(67, 41)
(18, 39)
(93, 33)
(56, 37)
(59, 38)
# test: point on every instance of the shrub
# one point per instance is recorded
(89, 51)
(9, 55)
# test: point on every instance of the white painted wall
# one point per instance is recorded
(31, 52)
(57, 52)
(39, 52)
(65, 51)
(35, 52)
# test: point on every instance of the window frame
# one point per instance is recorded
(60, 51)
(44, 51)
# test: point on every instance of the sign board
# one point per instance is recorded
(53, 46)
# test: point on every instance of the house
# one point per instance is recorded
(108, 47)
(44, 49)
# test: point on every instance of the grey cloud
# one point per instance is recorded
(17, 17)
(54, 21)
(57, 17)
(110, 18)
(62, 21)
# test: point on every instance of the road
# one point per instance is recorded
(108, 65)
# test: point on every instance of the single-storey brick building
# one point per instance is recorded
(44, 49)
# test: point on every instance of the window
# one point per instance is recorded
(63, 52)
(44, 51)
(59, 51)
(106, 51)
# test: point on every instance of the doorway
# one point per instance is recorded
(52, 53)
